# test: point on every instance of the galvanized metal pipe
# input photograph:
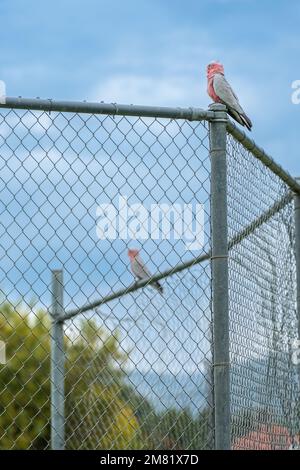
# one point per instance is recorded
(57, 364)
(37, 104)
(219, 262)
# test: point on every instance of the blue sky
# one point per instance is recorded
(155, 52)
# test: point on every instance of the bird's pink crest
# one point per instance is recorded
(213, 68)
(132, 253)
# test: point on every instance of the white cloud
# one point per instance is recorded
(173, 73)
(185, 91)
(141, 89)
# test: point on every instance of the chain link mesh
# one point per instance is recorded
(262, 306)
(138, 369)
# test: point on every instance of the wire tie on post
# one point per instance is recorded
(221, 364)
(219, 257)
(116, 110)
(50, 101)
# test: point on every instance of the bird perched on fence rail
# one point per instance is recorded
(221, 92)
(140, 270)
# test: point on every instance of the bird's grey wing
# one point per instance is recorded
(224, 91)
(141, 269)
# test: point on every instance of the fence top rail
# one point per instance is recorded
(114, 109)
(261, 155)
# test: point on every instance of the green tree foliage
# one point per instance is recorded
(180, 430)
(96, 414)
(24, 380)
(172, 429)
(102, 410)
(98, 417)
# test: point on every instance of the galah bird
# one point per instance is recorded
(140, 270)
(221, 92)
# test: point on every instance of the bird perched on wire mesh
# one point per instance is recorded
(140, 270)
(221, 92)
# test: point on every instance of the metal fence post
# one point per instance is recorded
(57, 363)
(219, 260)
(297, 251)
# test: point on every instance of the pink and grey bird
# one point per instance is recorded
(221, 92)
(140, 270)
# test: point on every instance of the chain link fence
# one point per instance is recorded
(262, 304)
(98, 361)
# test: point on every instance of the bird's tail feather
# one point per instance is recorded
(240, 118)
(158, 286)
(235, 115)
(246, 121)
